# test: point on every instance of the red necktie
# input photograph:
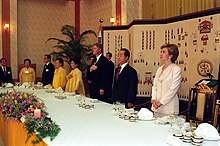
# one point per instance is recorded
(118, 73)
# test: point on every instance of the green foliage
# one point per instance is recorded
(73, 48)
(43, 126)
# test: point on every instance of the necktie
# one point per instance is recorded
(118, 73)
(4, 70)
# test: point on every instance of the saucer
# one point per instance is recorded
(196, 143)
(179, 135)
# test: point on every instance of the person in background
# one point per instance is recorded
(88, 73)
(111, 68)
(74, 78)
(27, 73)
(59, 78)
(5, 72)
(99, 70)
(48, 70)
(166, 83)
(125, 81)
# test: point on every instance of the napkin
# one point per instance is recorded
(25, 84)
(207, 131)
(59, 90)
(9, 85)
(39, 84)
(145, 114)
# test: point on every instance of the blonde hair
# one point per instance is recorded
(172, 50)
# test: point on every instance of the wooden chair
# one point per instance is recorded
(202, 106)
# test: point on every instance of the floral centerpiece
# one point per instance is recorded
(20, 106)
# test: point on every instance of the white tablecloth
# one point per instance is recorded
(99, 126)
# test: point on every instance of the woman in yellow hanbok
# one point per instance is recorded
(59, 78)
(75, 82)
(27, 73)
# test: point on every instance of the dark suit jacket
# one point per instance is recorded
(8, 77)
(125, 88)
(99, 79)
(109, 83)
(47, 75)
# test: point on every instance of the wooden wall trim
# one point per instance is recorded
(167, 20)
(6, 32)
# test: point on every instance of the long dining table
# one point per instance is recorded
(98, 126)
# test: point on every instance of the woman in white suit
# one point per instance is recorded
(166, 83)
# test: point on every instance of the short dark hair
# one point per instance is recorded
(76, 61)
(92, 56)
(48, 56)
(172, 50)
(60, 61)
(109, 53)
(100, 46)
(27, 59)
(3, 59)
(127, 53)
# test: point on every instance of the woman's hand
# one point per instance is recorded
(156, 103)
(70, 76)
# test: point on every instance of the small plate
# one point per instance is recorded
(179, 135)
(196, 144)
(148, 119)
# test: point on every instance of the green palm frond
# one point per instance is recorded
(59, 41)
(69, 31)
(88, 32)
(73, 48)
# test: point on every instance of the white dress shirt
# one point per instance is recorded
(123, 66)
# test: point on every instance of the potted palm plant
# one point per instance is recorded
(74, 46)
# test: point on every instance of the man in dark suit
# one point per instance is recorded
(125, 81)
(111, 68)
(48, 70)
(88, 73)
(99, 72)
(5, 72)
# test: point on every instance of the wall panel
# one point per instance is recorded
(195, 45)
(38, 21)
(13, 38)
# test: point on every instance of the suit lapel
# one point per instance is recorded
(122, 73)
(99, 61)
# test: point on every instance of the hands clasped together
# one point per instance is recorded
(156, 103)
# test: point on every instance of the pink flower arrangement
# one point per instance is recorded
(20, 106)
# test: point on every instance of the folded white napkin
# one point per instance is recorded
(39, 84)
(129, 110)
(207, 131)
(25, 84)
(59, 90)
(145, 114)
(9, 85)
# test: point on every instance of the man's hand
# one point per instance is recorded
(102, 92)
(93, 67)
(130, 105)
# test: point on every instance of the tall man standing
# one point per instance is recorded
(98, 75)
(111, 67)
(48, 70)
(5, 72)
(125, 81)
